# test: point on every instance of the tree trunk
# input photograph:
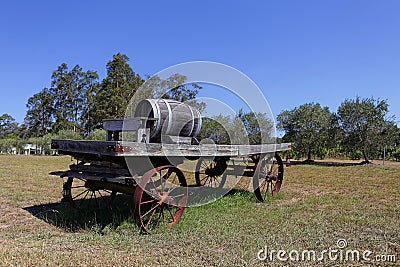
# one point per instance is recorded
(366, 160)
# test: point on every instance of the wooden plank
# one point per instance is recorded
(122, 148)
(94, 177)
(171, 139)
(126, 124)
(99, 169)
(117, 124)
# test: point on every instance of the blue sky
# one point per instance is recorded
(295, 51)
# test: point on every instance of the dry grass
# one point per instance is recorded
(317, 206)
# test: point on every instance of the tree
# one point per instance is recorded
(11, 142)
(390, 134)
(8, 125)
(97, 134)
(364, 125)
(68, 134)
(258, 127)
(22, 131)
(116, 89)
(307, 127)
(39, 116)
(174, 87)
(215, 129)
(72, 92)
(91, 88)
(66, 105)
(244, 128)
(61, 97)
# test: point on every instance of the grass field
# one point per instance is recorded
(317, 206)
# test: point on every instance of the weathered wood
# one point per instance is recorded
(173, 118)
(118, 124)
(128, 189)
(170, 139)
(121, 184)
(99, 169)
(133, 149)
(114, 127)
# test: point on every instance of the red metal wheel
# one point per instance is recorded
(268, 177)
(85, 194)
(160, 198)
(209, 172)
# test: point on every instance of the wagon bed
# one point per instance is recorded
(134, 149)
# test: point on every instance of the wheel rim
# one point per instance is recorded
(84, 194)
(160, 198)
(209, 172)
(268, 177)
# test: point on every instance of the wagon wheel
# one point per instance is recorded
(160, 198)
(209, 172)
(267, 180)
(83, 193)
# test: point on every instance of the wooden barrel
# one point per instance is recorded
(172, 117)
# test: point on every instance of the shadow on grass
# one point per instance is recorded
(64, 216)
(327, 163)
(89, 216)
(241, 192)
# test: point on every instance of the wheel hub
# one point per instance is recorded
(91, 185)
(164, 198)
(271, 177)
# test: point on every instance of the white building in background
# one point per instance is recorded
(30, 149)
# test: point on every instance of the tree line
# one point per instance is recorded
(361, 128)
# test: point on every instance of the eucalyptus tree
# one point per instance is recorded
(116, 89)
(8, 125)
(39, 114)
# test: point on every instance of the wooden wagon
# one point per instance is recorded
(149, 172)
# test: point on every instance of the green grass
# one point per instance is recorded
(317, 205)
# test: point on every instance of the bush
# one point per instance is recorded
(97, 135)
(396, 155)
(7, 145)
(356, 155)
(68, 134)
